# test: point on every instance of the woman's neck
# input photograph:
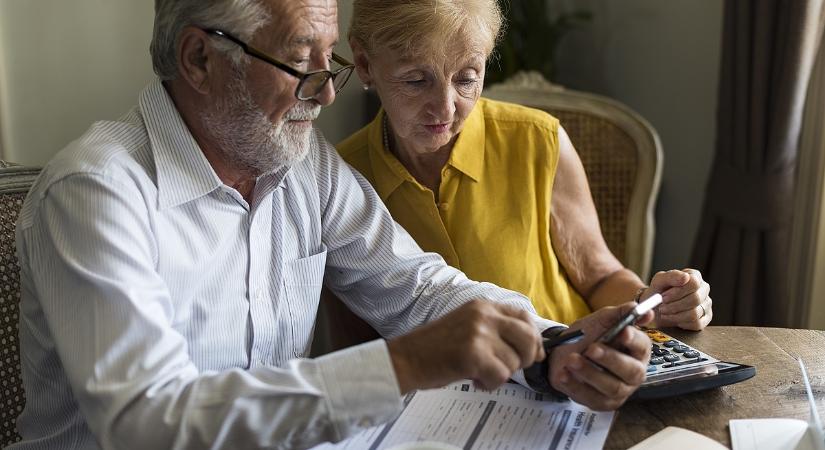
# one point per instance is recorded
(424, 166)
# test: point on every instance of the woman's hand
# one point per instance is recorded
(686, 299)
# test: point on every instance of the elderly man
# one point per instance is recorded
(171, 263)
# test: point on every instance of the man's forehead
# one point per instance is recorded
(305, 22)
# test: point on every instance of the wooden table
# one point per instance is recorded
(775, 391)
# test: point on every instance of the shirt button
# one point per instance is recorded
(443, 206)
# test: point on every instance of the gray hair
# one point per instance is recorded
(241, 18)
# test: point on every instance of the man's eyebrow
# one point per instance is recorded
(306, 41)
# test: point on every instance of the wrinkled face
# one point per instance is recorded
(427, 97)
(257, 120)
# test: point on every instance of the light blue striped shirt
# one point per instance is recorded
(160, 310)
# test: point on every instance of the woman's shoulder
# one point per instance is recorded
(355, 150)
(357, 142)
(496, 111)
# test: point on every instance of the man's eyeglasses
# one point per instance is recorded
(310, 84)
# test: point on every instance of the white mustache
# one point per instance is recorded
(303, 111)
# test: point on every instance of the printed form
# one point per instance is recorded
(511, 417)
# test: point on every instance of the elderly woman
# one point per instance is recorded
(495, 188)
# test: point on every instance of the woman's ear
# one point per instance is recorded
(362, 62)
(196, 59)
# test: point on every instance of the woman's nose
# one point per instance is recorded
(442, 104)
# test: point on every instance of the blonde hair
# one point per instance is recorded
(415, 26)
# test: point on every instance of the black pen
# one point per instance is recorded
(567, 338)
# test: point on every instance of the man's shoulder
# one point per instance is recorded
(107, 148)
(114, 150)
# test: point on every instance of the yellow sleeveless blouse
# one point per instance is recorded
(493, 218)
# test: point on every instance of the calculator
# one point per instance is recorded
(676, 368)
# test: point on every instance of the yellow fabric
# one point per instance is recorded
(493, 219)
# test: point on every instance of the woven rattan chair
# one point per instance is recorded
(15, 182)
(621, 154)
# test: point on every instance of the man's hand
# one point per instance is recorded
(686, 301)
(483, 341)
(597, 375)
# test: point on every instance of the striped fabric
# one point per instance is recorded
(160, 310)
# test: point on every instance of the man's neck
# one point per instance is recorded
(187, 105)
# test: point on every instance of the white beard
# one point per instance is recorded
(249, 140)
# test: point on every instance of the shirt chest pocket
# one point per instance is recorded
(303, 279)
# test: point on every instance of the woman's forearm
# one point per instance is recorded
(619, 287)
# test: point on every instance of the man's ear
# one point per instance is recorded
(362, 62)
(196, 59)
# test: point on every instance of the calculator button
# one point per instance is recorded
(691, 354)
(658, 351)
(671, 343)
(657, 361)
(681, 348)
(651, 368)
(671, 358)
(657, 336)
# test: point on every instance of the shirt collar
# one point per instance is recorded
(388, 172)
(468, 152)
(183, 172)
(467, 155)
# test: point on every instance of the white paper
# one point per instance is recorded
(678, 438)
(509, 417)
(767, 434)
(780, 434)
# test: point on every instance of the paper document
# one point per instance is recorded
(676, 438)
(510, 417)
(780, 434)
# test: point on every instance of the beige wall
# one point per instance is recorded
(661, 58)
(67, 63)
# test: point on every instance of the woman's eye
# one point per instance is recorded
(467, 81)
(418, 82)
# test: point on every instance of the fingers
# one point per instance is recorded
(582, 392)
(515, 344)
(602, 379)
(517, 330)
(492, 374)
(598, 375)
(687, 305)
(663, 281)
(635, 343)
(479, 340)
(501, 340)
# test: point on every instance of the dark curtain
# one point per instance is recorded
(743, 241)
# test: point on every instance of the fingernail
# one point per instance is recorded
(596, 353)
(564, 378)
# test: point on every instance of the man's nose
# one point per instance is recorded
(327, 94)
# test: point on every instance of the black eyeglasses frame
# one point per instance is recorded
(345, 70)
